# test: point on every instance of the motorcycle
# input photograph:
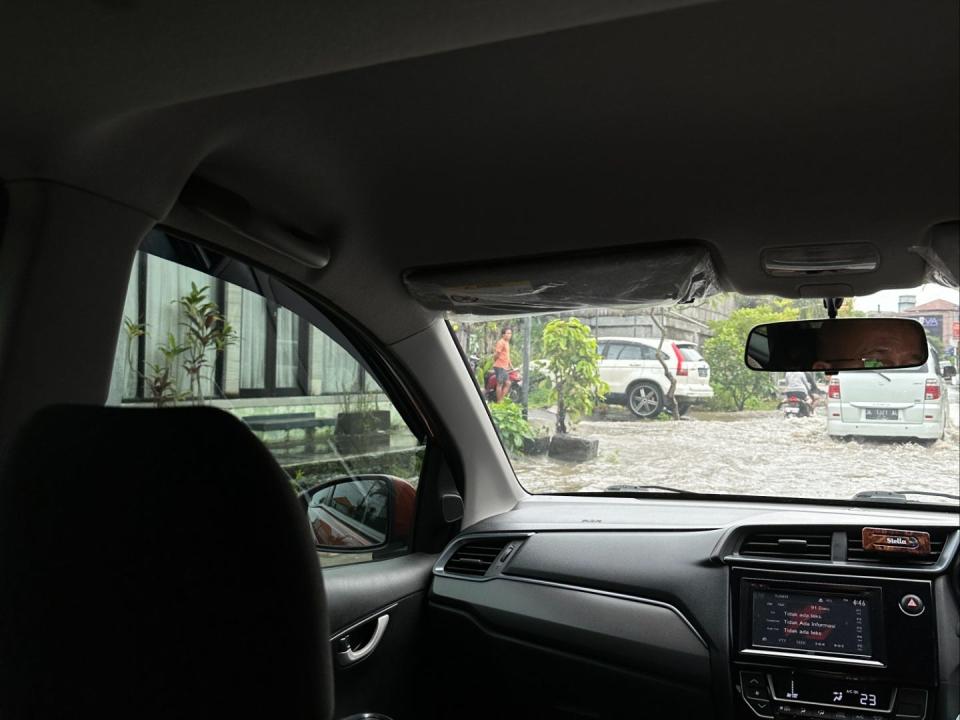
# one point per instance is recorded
(490, 382)
(795, 404)
(490, 386)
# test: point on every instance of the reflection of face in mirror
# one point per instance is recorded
(847, 344)
(857, 345)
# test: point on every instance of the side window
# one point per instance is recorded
(638, 352)
(614, 350)
(245, 343)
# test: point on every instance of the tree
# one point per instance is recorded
(733, 382)
(671, 400)
(573, 368)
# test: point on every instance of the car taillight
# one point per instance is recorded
(932, 390)
(681, 370)
(833, 389)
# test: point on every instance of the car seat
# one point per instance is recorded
(155, 563)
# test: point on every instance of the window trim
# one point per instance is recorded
(398, 385)
(270, 388)
(441, 455)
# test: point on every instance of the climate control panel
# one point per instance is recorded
(839, 647)
(778, 693)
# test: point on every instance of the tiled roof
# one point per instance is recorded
(943, 305)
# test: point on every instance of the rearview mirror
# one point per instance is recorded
(360, 513)
(848, 344)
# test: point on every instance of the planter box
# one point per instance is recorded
(573, 448)
(360, 423)
(536, 446)
(361, 443)
(404, 463)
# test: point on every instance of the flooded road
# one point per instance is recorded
(762, 453)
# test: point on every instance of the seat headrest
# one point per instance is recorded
(155, 563)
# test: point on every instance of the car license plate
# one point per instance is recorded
(702, 372)
(791, 409)
(881, 414)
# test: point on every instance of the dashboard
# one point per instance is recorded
(694, 609)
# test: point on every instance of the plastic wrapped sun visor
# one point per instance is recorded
(941, 251)
(612, 278)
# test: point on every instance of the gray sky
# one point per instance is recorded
(887, 299)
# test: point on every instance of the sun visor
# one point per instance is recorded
(941, 251)
(620, 277)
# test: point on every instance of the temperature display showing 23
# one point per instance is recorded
(828, 691)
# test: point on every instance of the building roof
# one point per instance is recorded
(935, 305)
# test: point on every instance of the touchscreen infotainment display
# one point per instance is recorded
(827, 623)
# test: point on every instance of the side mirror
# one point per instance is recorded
(949, 371)
(830, 345)
(361, 513)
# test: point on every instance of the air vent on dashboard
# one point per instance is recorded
(475, 557)
(797, 545)
(856, 553)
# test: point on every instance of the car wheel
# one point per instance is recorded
(683, 407)
(645, 400)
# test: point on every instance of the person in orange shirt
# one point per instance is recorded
(501, 362)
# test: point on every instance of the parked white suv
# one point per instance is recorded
(909, 403)
(636, 378)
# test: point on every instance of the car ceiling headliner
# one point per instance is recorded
(435, 132)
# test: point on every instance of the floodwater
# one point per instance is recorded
(759, 453)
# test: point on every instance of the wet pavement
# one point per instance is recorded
(760, 453)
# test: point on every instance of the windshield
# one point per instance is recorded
(659, 400)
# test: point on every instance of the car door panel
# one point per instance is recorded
(614, 372)
(387, 681)
(357, 591)
(358, 596)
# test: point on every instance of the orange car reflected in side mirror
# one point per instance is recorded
(830, 345)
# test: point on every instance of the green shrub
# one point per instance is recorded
(734, 384)
(510, 423)
(541, 396)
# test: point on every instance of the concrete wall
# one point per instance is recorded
(682, 322)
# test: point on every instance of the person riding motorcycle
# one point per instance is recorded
(816, 394)
(800, 387)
